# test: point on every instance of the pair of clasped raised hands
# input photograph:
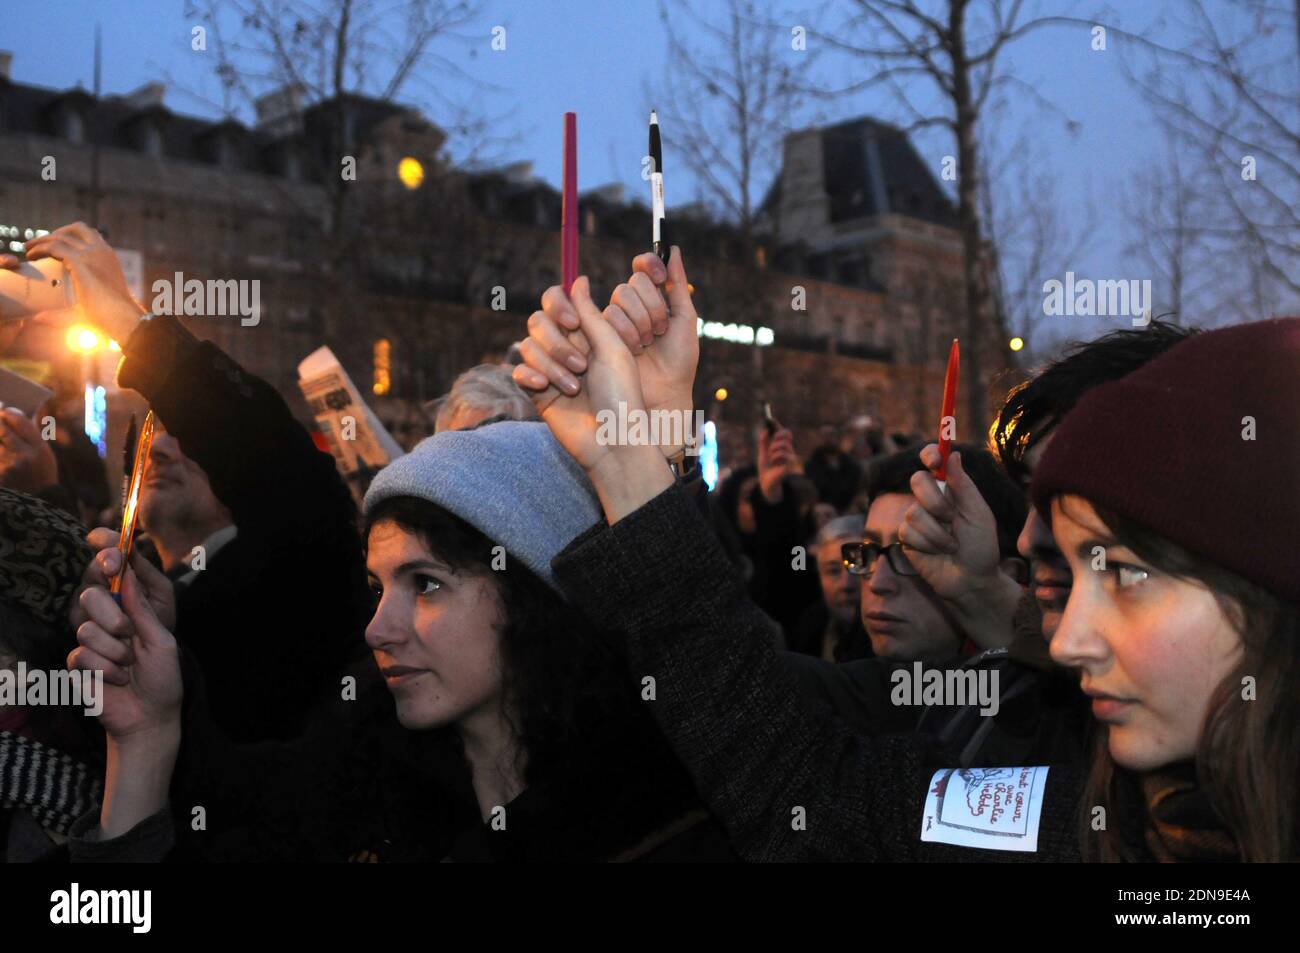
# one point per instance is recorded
(640, 351)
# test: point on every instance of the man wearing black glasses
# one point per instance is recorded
(905, 618)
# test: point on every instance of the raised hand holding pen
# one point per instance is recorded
(142, 697)
(625, 476)
(555, 351)
(951, 538)
(158, 589)
(776, 461)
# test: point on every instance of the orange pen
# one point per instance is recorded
(131, 504)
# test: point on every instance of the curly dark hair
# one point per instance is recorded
(562, 679)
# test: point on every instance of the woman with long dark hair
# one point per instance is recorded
(1172, 492)
(474, 635)
(523, 736)
(1195, 675)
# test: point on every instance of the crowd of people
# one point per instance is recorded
(533, 643)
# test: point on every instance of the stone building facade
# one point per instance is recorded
(856, 274)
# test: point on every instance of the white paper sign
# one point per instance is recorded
(359, 442)
(992, 808)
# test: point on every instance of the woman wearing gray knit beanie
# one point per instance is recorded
(492, 722)
(471, 631)
(519, 732)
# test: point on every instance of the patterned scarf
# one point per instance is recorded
(43, 552)
(52, 787)
(1181, 824)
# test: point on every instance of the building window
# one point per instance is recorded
(151, 141)
(383, 367)
(851, 270)
(349, 128)
(225, 153)
(74, 127)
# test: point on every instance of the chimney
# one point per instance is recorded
(611, 193)
(6, 62)
(520, 173)
(279, 113)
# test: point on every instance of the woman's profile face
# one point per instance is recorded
(435, 633)
(1151, 649)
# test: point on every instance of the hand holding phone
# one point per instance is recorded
(33, 287)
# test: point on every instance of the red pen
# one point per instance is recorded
(947, 419)
(569, 210)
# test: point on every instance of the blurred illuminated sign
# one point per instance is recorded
(736, 333)
(709, 454)
(97, 418)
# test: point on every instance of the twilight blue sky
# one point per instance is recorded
(603, 59)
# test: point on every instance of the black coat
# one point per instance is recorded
(756, 747)
(278, 612)
(358, 787)
(851, 646)
(779, 589)
(1042, 716)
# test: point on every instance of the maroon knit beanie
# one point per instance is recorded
(1169, 446)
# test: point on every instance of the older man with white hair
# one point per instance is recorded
(831, 629)
(479, 394)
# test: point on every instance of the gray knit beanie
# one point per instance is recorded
(510, 480)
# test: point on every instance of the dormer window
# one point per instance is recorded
(349, 128)
(151, 141)
(221, 145)
(73, 126)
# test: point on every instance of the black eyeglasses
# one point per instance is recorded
(860, 558)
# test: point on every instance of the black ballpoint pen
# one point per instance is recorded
(659, 232)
